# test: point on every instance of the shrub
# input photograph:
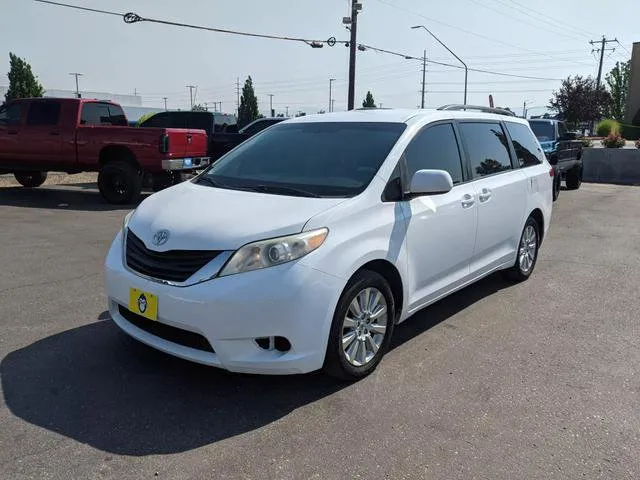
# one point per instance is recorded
(587, 143)
(607, 127)
(613, 140)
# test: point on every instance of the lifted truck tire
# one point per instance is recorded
(574, 178)
(30, 179)
(119, 183)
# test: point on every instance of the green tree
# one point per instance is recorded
(577, 100)
(198, 108)
(369, 102)
(618, 80)
(248, 111)
(22, 82)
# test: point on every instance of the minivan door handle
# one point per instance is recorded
(468, 201)
(485, 195)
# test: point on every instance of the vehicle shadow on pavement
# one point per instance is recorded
(59, 198)
(97, 386)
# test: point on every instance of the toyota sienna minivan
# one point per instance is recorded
(303, 247)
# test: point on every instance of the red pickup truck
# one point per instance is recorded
(38, 135)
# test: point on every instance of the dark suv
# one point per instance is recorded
(562, 149)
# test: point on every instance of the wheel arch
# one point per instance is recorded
(112, 153)
(391, 274)
(538, 216)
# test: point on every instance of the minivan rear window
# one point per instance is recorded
(315, 158)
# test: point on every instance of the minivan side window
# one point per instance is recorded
(43, 114)
(488, 148)
(434, 148)
(10, 114)
(524, 143)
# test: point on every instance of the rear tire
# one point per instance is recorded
(527, 253)
(574, 178)
(30, 179)
(119, 183)
(557, 183)
(362, 327)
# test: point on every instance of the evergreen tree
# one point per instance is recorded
(248, 111)
(22, 82)
(369, 101)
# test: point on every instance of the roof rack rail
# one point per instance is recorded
(478, 108)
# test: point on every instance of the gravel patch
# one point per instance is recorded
(54, 179)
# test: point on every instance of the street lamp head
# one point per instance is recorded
(417, 26)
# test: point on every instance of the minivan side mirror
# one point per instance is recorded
(430, 182)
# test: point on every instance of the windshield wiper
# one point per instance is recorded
(209, 181)
(282, 190)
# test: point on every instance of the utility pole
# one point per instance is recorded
(287, 114)
(76, 74)
(191, 87)
(271, 104)
(220, 103)
(331, 80)
(355, 8)
(524, 109)
(238, 93)
(333, 104)
(165, 103)
(424, 75)
(603, 44)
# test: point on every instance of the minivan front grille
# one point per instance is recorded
(167, 332)
(173, 265)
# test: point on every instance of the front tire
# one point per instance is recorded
(362, 327)
(527, 253)
(30, 179)
(574, 178)
(119, 183)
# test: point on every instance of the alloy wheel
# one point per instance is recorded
(364, 326)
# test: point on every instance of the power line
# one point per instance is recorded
(517, 19)
(469, 32)
(547, 18)
(131, 17)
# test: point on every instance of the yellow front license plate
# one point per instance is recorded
(143, 303)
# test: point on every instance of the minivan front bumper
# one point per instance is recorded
(291, 301)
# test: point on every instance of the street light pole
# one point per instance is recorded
(331, 80)
(466, 69)
(165, 103)
(271, 104)
(424, 74)
(76, 74)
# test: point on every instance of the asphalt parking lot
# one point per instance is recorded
(534, 381)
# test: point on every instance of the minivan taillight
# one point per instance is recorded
(552, 172)
(164, 143)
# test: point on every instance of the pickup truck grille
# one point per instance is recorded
(173, 265)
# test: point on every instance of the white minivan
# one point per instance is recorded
(302, 248)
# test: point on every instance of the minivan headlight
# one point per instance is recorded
(276, 251)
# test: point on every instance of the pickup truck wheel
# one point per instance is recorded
(119, 183)
(30, 179)
(574, 178)
(527, 253)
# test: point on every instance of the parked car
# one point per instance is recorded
(40, 135)
(222, 136)
(563, 151)
(334, 228)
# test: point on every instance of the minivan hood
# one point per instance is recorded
(200, 217)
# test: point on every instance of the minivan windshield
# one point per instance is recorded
(315, 159)
(544, 130)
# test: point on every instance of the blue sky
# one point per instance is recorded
(546, 39)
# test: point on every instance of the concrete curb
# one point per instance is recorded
(611, 165)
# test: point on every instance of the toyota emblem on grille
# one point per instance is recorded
(160, 237)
